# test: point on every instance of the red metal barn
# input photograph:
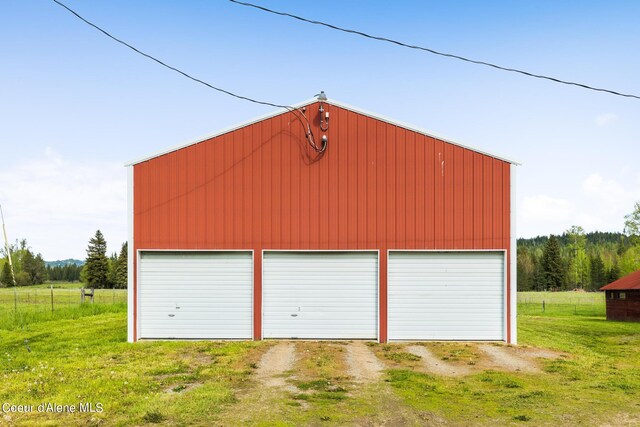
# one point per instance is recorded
(623, 298)
(390, 234)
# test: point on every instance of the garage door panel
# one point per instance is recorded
(321, 295)
(213, 290)
(446, 295)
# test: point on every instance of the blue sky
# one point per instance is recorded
(76, 106)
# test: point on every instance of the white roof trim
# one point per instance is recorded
(330, 102)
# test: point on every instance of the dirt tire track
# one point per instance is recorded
(504, 360)
(434, 365)
(364, 366)
(275, 363)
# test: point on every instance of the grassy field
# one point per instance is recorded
(83, 357)
(562, 303)
(23, 306)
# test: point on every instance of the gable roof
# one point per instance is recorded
(313, 101)
(628, 282)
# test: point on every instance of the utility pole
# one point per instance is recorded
(13, 276)
(6, 245)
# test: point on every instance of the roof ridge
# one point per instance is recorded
(309, 102)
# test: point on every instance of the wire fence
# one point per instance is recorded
(48, 298)
(562, 303)
(26, 305)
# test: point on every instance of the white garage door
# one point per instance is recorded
(196, 295)
(446, 295)
(322, 295)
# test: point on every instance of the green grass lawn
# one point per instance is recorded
(84, 357)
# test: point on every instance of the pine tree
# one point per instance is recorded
(614, 273)
(6, 278)
(39, 273)
(113, 266)
(598, 273)
(96, 267)
(553, 273)
(121, 270)
(29, 267)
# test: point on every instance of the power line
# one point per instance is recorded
(435, 52)
(195, 79)
(308, 133)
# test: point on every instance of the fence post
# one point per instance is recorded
(543, 308)
(52, 298)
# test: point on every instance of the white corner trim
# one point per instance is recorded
(514, 257)
(329, 102)
(130, 255)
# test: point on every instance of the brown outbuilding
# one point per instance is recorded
(623, 298)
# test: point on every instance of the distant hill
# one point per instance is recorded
(61, 263)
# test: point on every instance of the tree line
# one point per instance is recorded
(579, 260)
(28, 269)
(98, 271)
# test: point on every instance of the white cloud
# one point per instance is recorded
(609, 194)
(57, 205)
(543, 208)
(605, 119)
(601, 206)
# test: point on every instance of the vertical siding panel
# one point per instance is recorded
(267, 183)
(438, 184)
(370, 184)
(401, 192)
(305, 199)
(496, 209)
(288, 156)
(229, 190)
(258, 207)
(420, 191)
(246, 143)
(218, 193)
(183, 197)
(458, 197)
(292, 136)
(430, 201)
(210, 195)
(361, 194)
(343, 177)
(468, 213)
(478, 198)
(237, 171)
(352, 213)
(322, 185)
(333, 186)
(169, 224)
(391, 196)
(274, 146)
(410, 188)
(315, 225)
(487, 202)
(449, 173)
(380, 187)
(198, 196)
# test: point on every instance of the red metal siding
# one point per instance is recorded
(378, 186)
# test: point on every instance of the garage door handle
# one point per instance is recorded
(171, 315)
(294, 315)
